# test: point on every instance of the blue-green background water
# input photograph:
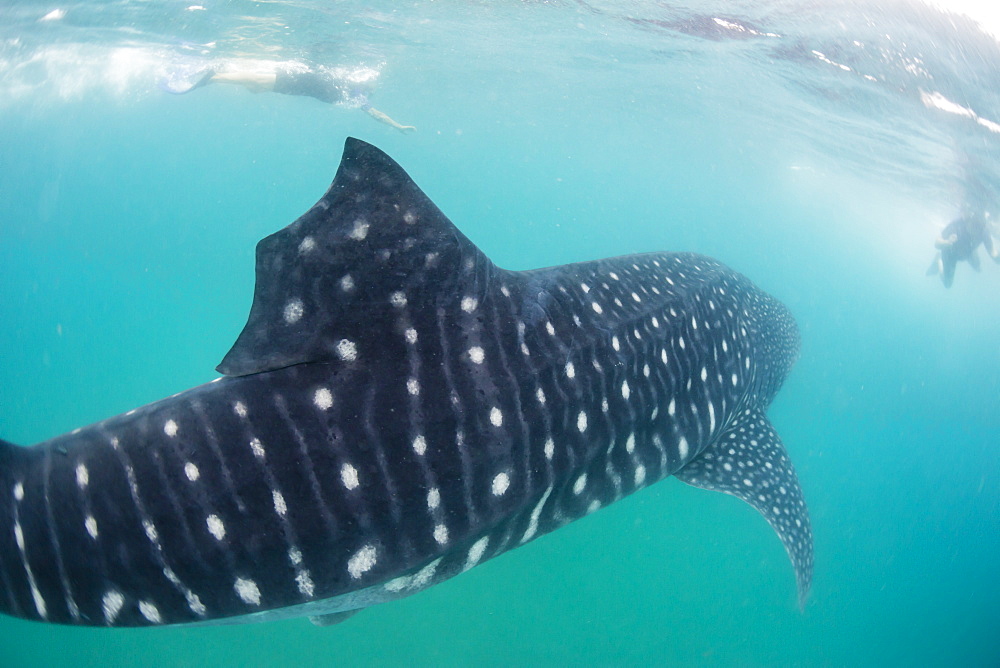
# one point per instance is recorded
(804, 149)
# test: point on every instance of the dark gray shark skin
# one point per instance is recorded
(397, 410)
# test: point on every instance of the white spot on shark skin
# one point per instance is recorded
(305, 583)
(433, 498)
(39, 600)
(585, 288)
(476, 552)
(672, 407)
(735, 380)
(170, 428)
(630, 444)
(349, 476)
(496, 417)
(570, 370)
(615, 343)
(419, 444)
(257, 448)
(362, 561)
(469, 304)
(413, 386)
(580, 484)
(540, 396)
(682, 448)
(581, 422)
(477, 355)
(597, 308)
(323, 398)
(151, 532)
(215, 527)
(191, 471)
(279, 502)
(640, 475)
(441, 534)
(294, 310)
(410, 335)
(19, 536)
(550, 448)
(625, 389)
(360, 230)
(347, 350)
(398, 299)
(500, 484)
(91, 525)
(240, 409)
(150, 612)
(295, 556)
(594, 506)
(550, 329)
(704, 374)
(82, 476)
(347, 283)
(536, 513)
(19, 492)
(111, 604)
(409, 218)
(680, 340)
(307, 245)
(247, 590)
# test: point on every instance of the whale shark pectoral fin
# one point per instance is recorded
(749, 462)
(333, 617)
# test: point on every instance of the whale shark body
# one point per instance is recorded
(397, 410)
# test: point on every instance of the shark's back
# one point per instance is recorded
(398, 409)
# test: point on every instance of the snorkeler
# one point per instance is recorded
(960, 240)
(296, 79)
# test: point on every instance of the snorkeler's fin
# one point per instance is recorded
(935, 267)
(974, 259)
(184, 80)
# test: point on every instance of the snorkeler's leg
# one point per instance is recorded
(948, 262)
(255, 81)
(974, 259)
(991, 247)
(384, 118)
(935, 267)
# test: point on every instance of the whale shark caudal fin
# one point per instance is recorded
(373, 231)
(749, 462)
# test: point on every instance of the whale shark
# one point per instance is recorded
(396, 411)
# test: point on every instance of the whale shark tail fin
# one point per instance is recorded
(749, 462)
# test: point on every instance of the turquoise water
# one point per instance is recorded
(818, 149)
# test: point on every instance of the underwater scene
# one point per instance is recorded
(438, 363)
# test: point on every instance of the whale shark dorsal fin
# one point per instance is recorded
(749, 462)
(373, 242)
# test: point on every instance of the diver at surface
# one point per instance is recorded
(960, 240)
(294, 78)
